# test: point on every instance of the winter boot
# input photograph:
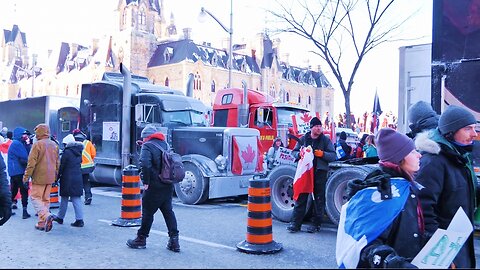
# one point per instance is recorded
(293, 228)
(25, 213)
(173, 244)
(14, 205)
(139, 243)
(77, 223)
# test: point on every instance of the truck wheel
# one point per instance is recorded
(281, 186)
(337, 186)
(194, 187)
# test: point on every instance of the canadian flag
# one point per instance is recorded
(246, 155)
(303, 181)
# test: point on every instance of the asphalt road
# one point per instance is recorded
(209, 235)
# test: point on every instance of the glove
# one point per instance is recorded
(318, 153)
(393, 261)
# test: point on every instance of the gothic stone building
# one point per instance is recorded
(149, 46)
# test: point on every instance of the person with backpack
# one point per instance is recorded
(382, 225)
(157, 194)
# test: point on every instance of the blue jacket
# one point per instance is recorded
(17, 153)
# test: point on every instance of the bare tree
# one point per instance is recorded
(343, 31)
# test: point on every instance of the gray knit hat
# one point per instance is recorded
(455, 118)
(420, 110)
(393, 146)
(148, 130)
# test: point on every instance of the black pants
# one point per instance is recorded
(300, 208)
(16, 182)
(87, 187)
(154, 199)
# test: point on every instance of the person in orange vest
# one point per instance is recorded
(88, 155)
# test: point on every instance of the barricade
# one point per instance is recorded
(131, 214)
(259, 238)
(54, 198)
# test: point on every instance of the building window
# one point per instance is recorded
(141, 17)
(124, 17)
(299, 99)
(167, 54)
(197, 82)
(309, 100)
(167, 82)
(213, 87)
(287, 97)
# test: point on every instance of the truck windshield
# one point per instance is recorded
(284, 115)
(185, 118)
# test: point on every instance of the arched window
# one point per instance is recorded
(167, 82)
(141, 17)
(299, 99)
(213, 87)
(124, 17)
(66, 91)
(287, 97)
(197, 83)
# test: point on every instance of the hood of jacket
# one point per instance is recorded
(18, 132)
(76, 147)
(42, 131)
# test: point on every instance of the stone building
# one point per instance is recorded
(152, 47)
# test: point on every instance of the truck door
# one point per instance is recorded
(264, 120)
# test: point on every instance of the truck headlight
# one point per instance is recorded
(221, 162)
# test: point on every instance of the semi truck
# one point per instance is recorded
(236, 107)
(60, 113)
(219, 161)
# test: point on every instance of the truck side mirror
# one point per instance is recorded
(260, 116)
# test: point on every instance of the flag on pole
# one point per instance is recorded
(376, 112)
(303, 181)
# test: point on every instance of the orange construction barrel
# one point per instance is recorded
(131, 214)
(259, 238)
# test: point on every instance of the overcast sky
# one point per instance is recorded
(47, 23)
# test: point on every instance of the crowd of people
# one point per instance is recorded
(423, 178)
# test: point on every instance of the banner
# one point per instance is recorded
(301, 122)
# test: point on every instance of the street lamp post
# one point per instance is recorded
(201, 17)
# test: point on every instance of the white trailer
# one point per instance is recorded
(414, 80)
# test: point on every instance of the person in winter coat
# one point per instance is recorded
(359, 152)
(88, 165)
(446, 171)
(272, 151)
(17, 163)
(421, 117)
(342, 141)
(323, 154)
(42, 167)
(71, 182)
(156, 195)
(5, 195)
(381, 226)
(369, 148)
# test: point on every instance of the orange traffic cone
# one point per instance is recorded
(131, 214)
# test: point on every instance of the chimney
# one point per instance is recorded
(73, 50)
(319, 69)
(49, 52)
(187, 32)
(95, 43)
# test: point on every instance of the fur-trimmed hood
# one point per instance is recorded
(424, 142)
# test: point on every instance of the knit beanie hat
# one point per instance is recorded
(455, 118)
(393, 146)
(419, 111)
(148, 130)
(314, 122)
(343, 135)
(68, 139)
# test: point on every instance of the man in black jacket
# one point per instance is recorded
(324, 153)
(5, 195)
(156, 195)
(446, 172)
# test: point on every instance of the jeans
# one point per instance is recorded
(154, 199)
(300, 208)
(17, 183)
(77, 207)
(87, 187)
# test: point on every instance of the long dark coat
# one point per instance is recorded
(70, 173)
(447, 174)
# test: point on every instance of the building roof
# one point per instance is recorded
(11, 35)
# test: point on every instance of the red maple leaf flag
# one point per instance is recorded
(303, 181)
(245, 157)
(306, 117)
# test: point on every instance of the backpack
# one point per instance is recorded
(172, 170)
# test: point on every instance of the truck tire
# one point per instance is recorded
(335, 192)
(281, 186)
(194, 187)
